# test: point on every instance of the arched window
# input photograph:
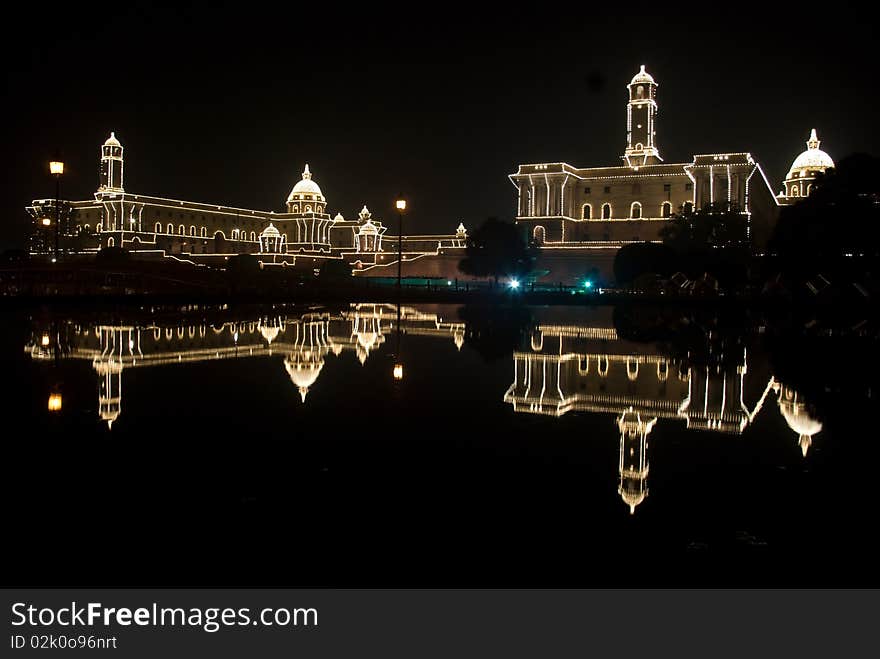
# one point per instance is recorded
(307, 209)
(587, 212)
(606, 211)
(158, 227)
(181, 230)
(170, 228)
(794, 191)
(110, 242)
(192, 231)
(235, 234)
(538, 234)
(204, 232)
(294, 208)
(635, 210)
(809, 188)
(640, 91)
(666, 209)
(253, 236)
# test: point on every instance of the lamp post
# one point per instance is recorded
(400, 204)
(56, 169)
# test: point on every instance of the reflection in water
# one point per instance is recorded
(573, 368)
(303, 341)
(564, 368)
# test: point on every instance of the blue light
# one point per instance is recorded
(514, 283)
(588, 284)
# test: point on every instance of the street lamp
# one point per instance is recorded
(400, 204)
(56, 169)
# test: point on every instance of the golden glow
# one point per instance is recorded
(400, 204)
(56, 167)
(54, 402)
(398, 371)
(46, 221)
(44, 341)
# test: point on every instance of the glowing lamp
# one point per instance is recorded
(514, 284)
(588, 284)
(46, 221)
(56, 167)
(398, 372)
(400, 204)
(45, 340)
(55, 402)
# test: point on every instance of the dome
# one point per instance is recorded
(339, 218)
(270, 232)
(112, 141)
(303, 369)
(811, 159)
(368, 228)
(642, 77)
(798, 419)
(306, 186)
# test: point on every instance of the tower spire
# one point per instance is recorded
(641, 114)
(307, 175)
(813, 142)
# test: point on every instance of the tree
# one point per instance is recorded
(496, 249)
(711, 240)
(636, 259)
(841, 216)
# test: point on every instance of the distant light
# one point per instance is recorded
(514, 283)
(54, 402)
(400, 204)
(45, 340)
(46, 221)
(56, 167)
(448, 283)
(588, 284)
(53, 259)
(398, 372)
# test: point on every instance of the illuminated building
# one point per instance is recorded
(577, 214)
(802, 173)
(154, 227)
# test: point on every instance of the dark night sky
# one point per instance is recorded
(225, 103)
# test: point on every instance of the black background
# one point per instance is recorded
(224, 102)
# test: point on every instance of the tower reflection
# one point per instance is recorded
(590, 368)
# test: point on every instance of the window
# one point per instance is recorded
(170, 229)
(587, 212)
(635, 210)
(667, 187)
(204, 232)
(794, 191)
(253, 236)
(666, 209)
(181, 230)
(606, 211)
(192, 231)
(607, 189)
(158, 227)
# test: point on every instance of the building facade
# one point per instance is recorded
(305, 236)
(577, 214)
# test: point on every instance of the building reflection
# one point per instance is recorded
(589, 368)
(564, 368)
(303, 343)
